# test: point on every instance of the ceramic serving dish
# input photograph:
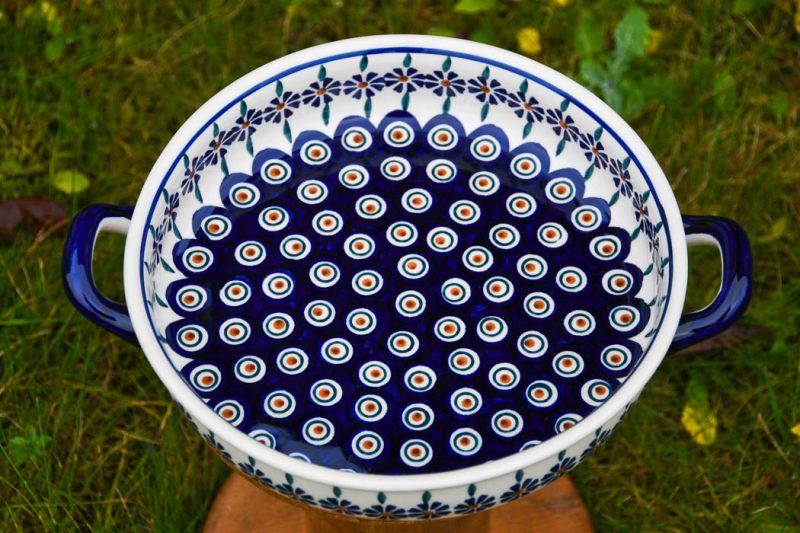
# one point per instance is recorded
(405, 277)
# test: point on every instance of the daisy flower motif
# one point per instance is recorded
(191, 176)
(642, 211)
(405, 79)
(171, 209)
(593, 150)
(245, 126)
(446, 83)
(281, 107)
(563, 125)
(487, 90)
(622, 178)
(363, 85)
(215, 150)
(526, 107)
(319, 92)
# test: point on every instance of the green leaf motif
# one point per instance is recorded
(588, 173)
(279, 88)
(287, 131)
(165, 194)
(185, 161)
(560, 147)
(381, 497)
(474, 6)
(215, 129)
(249, 145)
(635, 233)
(197, 195)
(426, 496)
(645, 196)
(614, 199)
(54, 48)
(70, 181)
(404, 101)
(626, 162)
(152, 230)
(322, 73)
(337, 492)
(523, 87)
(448, 61)
(598, 133)
(446, 105)
(160, 302)
(518, 475)
(484, 112)
(289, 479)
(368, 107)
(407, 60)
(224, 166)
(564, 105)
(176, 232)
(527, 129)
(243, 108)
(364, 63)
(632, 34)
(649, 269)
(471, 489)
(485, 72)
(166, 266)
(326, 114)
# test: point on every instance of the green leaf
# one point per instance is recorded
(368, 107)
(446, 105)
(484, 112)
(160, 302)
(471, 489)
(518, 475)
(631, 34)
(70, 181)
(337, 492)
(646, 195)
(30, 445)
(166, 266)
(560, 147)
(635, 233)
(176, 232)
(598, 133)
(165, 194)
(243, 108)
(527, 129)
(724, 89)
(426, 496)
(485, 72)
(326, 114)
(197, 195)
(287, 131)
(564, 104)
(626, 163)
(593, 73)
(407, 60)
(588, 35)
(289, 479)
(404, 101)
(279, 88)
(185, 161)
(474, 6)
(249, 145)
(224, 166)
(54, 48)
(446, 63)
(588, 173)
(614, 199)
(321, 73)
(648, 270)
(381, 497)
(363, 63)
(523, 87)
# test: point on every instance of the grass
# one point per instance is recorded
(88, 436)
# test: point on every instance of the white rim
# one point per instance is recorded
(414, 482)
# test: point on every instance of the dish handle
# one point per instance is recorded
(77, 267)
(737, 279)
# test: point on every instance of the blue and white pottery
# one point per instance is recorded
(406, 277)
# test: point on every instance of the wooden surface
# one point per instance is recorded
(243, 507)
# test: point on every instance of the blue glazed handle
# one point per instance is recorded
(737, 279)
(77, 267)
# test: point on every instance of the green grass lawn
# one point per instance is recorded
(88, 436)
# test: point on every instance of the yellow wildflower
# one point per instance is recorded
(700, 423)
(529, 41)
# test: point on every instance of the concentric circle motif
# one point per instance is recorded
(291, 361)
(312, 192)
(275, 171)
(441, 170)
(521, 205)
(353, 176)
(539, 305)
(398, 134)
(319, 313)
(606, 247)
(402, 343)
(197, 258)
(216, 227)
(504, 236)
(413, 266)
(359, 246)
(466, 401)
(571, 279)
(416, 453)
(327, 223)
(492, 329)
(579, 323)
(205, 378)
(485, 148)
(416, 200)
(356, 139)
(498, 289)
(420, 378)
(532, 266)
(278, 325)
(250, 253)
(617, 281)
(264, 437)
(361, 321)
(318, 431)
(587, 218)
(552, 235)
(442, 137)
(371, 408)
(191, 338)
(235, 293)
(279, 404)
(507, 423)
(525, 166)
(374, 374)
(449, 329)
(336, 351)
(456, 291)
(295, 247)
(401, 234)
(566, 421)
(410, 303)
(273, 218)
(325, 392)
(367, 282)
(441, 239)
(191, 298)
(464, 212)
(477, 258)
(395, 168)
(418, 417)
(370, 206)
(277, 285)
(465, 441)
(560, 191)
(595, 392)
(541, 393)
(568, 364)
(244, 195)
(250, 369)
(484, 183)
(324, 274)
(231, 411)
(464, 361)
(532, 344)
(504, 376)
(624, 318)
(234, 331)
(367, 445)
(315, 153)
(616, 357)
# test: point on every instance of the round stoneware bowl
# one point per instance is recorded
(405, 277)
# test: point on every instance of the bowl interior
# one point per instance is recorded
(401, 260)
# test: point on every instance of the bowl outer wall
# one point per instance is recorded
(546, 451)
